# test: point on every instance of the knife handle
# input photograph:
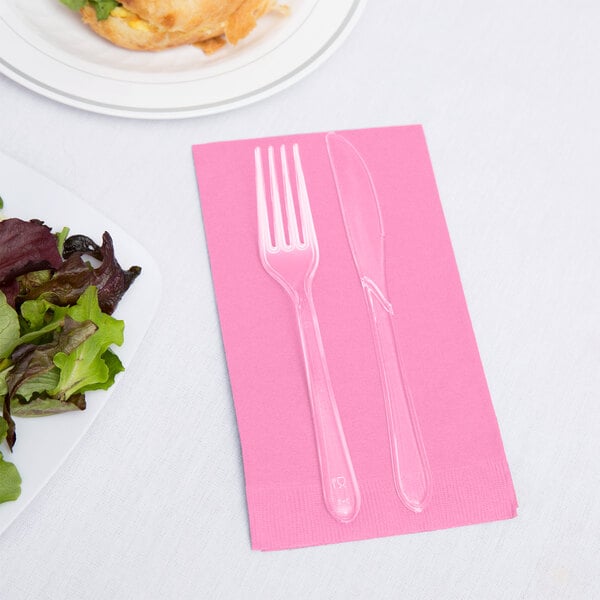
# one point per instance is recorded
(409, 462)
(340, 488)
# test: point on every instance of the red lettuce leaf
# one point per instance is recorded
(75, 275)
(25, 246)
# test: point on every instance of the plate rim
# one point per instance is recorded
(247, 97)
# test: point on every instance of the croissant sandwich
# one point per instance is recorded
(160, 24)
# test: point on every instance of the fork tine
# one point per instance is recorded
(276, 202)
(264, 235)
(290, 211)
(308, 228)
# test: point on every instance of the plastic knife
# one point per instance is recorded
(364, 229)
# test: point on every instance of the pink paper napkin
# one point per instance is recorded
(470, 479)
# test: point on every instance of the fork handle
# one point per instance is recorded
(338, 480)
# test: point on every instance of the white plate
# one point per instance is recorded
(48, 50)
(43, 443)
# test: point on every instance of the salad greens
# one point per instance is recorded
(102, 7)
(56, 325)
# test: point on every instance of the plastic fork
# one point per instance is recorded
(291, 257)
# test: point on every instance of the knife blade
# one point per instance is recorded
(363, 222)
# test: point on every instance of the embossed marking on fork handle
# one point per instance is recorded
(340, 488)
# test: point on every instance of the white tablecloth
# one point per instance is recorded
(151, 503)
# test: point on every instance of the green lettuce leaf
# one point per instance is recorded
(10, 480)
(3, 386)
(84, 367)
(9, 327)
(36, 385)
(102, 7)
(74, 4)
(115, 366)
(60, 239)
(41, 313)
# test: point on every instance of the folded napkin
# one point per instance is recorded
(470, 481)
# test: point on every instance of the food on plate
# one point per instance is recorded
(57, 296)
(160, 24)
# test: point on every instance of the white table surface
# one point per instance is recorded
(151, 503)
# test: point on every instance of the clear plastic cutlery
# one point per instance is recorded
(364, 230)
(291, 257)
